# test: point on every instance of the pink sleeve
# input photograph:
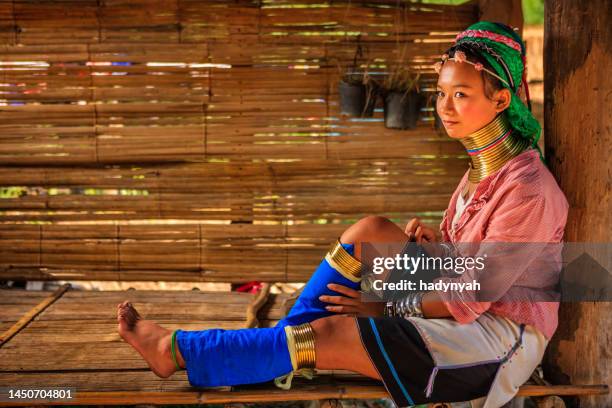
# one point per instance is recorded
(516, 236)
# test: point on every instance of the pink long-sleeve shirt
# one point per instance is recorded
(519, 203)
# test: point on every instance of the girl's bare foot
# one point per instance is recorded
(148, 338)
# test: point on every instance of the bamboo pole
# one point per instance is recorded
(258, 302)
(28, 317)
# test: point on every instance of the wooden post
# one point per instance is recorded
(509, 12)
(577, 123)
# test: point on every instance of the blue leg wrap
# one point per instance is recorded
(219, 357)
(308, 307)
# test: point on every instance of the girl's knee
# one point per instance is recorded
(337, 343)
(366, 228)
(327, 327)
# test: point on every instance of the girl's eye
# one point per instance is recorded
(439, 94)
(460, 94)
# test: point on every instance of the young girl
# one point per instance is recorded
(431, 346)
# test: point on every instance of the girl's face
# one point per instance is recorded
(462, 104)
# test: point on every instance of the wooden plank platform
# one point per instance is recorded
(74, 343)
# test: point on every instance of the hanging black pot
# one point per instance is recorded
(356, 99)
(402, 109)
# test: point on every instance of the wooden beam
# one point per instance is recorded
(577, 121)
(545, 390)
(311, 390)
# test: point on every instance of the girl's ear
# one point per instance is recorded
(502, 99)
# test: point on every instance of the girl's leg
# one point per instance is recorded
(219, 357)
(342, 264)
(230, 357)
(373, 229)
(338, 266)
(338, 346)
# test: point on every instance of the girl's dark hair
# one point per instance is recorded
(491, 84)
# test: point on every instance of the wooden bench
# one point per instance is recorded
(68, 338)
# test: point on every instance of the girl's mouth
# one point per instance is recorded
(449, 122)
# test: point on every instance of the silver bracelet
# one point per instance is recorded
(410, 306)
(417, 303)
(390, 310)
(448, 249)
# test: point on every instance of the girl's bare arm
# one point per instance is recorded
(433, 307)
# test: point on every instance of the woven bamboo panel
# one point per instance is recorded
(221, 191)
(195, 117)
(223, 253)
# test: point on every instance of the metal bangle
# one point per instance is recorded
(447, 249)
(401, 307)
(410, 306)
(418, 304)
(389, 309)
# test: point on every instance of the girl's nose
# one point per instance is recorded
(445, 105)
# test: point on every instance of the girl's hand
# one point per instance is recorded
(425, 236)
(420, 232)
(351, 302)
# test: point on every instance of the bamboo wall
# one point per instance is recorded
(201, 140)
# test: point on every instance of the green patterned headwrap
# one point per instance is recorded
(504, 50)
